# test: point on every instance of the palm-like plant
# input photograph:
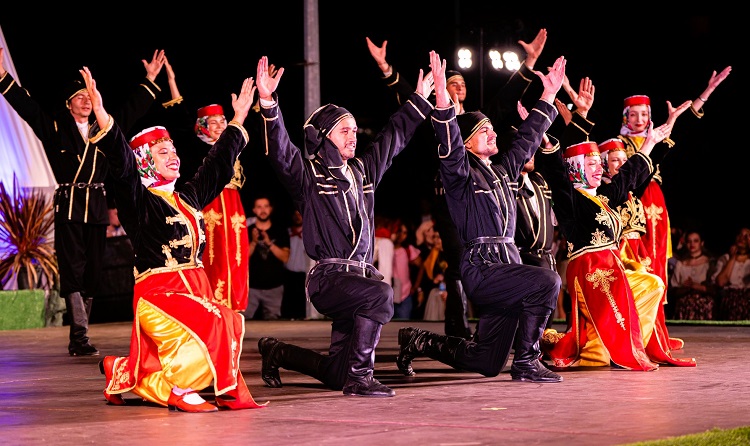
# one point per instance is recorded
(26, 222)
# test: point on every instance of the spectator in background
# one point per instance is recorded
(269, 251)
(691, 294)
(382, 257)
(431, 280)
(406, 303)
(294, 303)
(732, 277)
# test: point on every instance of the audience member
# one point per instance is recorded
(269, 251)
(732, 277)
(691, 294)
(407, 303)
(294, 302)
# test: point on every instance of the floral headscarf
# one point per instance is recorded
(141, 145)
(575, 156)
(201, 124)
(629, 101)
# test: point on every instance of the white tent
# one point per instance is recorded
(21, 151)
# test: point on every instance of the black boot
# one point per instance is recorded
(360, 380)
(79, 326)
(417, 342)
(456, 310)
(275, 354)
(526, 364)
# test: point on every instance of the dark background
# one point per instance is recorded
(213, 48)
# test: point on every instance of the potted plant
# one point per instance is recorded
(27, 256)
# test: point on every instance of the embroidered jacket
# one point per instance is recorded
(167, 230)
(338, 215)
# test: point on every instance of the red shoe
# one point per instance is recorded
(177, 402)
(239, 398)
(106, 366)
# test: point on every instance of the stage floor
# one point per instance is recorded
(49, 397)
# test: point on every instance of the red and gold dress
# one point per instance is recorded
(181, 336)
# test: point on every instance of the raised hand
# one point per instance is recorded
(674, 113)
(97, 103)
(425, 83)
(264, 81)
(522, 112)
(715, 79)
(563, 111)
(437, 65)
(584, 99)
(553, 80)
(378, 53)
(534, 49)
(154, 67)
(241, 103)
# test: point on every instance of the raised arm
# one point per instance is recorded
(153, 68)
(437, 70)
(265, 81)
(378, 54)
(97, 103)
(713, 82)
(553, 80)
(534, 49)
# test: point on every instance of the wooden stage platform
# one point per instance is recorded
(48, 397)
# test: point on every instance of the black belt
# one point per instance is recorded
(490, 240)
(364, 266)
(82, 185)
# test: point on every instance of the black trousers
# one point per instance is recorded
(79, 248)
(341, 296)
(502, 292)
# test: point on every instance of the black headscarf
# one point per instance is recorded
(319, 125)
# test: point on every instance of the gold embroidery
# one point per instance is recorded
(186, 241)
(599, 238)
(603, 218)
(238, 223)
(219, 291)
(653, 213)
(601, 279)
(212, 219)
(171, 261)
(179, 218)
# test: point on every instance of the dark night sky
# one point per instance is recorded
(667, 59)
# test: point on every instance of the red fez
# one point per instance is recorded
(210, 110)
(588, 148)
(640, 99)
(612, 144)
(149, 136)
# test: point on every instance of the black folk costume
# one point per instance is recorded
(456, 303)
(81, 203)
(336, 200)
(182, 336)
(508, 294)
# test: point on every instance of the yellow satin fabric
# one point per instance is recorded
(647, 289)
(182, 358)
(593, 353)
